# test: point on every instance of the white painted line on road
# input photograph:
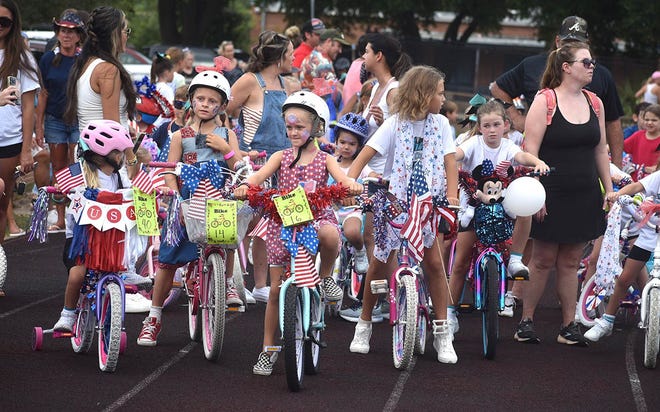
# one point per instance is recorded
(635, 385)
(156, 374)
(398, 388)
(29, 305)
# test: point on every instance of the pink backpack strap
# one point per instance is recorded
(593, 101)
(551, 101)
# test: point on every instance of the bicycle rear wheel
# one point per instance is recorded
(592, 303)
(312, 349)
(652, 338)
(83, 328)
(294, 338)
(490, 320)
(404, 333)
(110, 327)
(191, 286)
(213, 307)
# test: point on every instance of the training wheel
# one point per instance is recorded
(123, 342)
(37, 338)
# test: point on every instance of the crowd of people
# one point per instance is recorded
(384, 117)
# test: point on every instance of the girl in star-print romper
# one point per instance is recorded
(420, 159)
(306, 116)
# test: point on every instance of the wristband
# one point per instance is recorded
(229, 155)
(132, 162)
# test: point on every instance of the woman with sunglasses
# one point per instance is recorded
(99, 87)
(571, 138)
(257, 98)
(17, 116)
(55, 66)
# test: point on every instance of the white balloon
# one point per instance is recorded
(524, 196)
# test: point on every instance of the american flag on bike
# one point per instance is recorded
(260, 230)
(421, 211)
(158, 176)
(502, 168)
(143, 182)
(205, 190)
(305, 269)
(70, 177)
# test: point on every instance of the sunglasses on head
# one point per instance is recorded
(585, 62)
(179, 104)
(6, 22)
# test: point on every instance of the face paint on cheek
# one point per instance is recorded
(216, 110)
(305, 134)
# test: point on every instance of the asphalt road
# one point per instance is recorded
(175, 376)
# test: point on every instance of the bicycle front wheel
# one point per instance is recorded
(110, 327)
(490, 320)
(3, 268)
(592, 303)
(213, 307)
(83, 328)
(652, 338)
(404, 333)
(312, 349)
(294, 338)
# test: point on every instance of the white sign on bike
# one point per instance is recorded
(294, 208)
(221, 227)
(104, 217)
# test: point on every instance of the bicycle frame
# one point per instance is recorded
(653, 283)
(100, 286)
(306, 293)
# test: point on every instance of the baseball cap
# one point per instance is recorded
(334, 34)
(573, 28)
(314, 25)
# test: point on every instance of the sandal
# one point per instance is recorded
(55, 229)
(21, 232)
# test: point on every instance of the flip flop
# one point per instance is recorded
(55, 229)
(17, 234)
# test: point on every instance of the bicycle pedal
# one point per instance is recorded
(523, 278)
(465, 308)
(236, 308)
(379, 287)
(58, 334)
(272, 349)
(177, 284)
(332, 303)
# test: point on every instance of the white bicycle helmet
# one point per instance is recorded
(104, 136)
(310, 102)
(212, 80)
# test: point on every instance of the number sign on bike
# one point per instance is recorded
(145, 211)
(294, 208)
(221, 225)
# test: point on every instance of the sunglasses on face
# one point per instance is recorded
(179, 104)
(585, 62)
(5, 22)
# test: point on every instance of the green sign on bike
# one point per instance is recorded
(221, 225)
(145, 213)
(294, 208)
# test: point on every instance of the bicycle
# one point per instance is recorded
(301, 305)
(650, 309)
(204, 280)
(101, 307)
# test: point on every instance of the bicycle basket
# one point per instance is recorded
(194, 211)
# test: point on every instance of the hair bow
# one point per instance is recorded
(145, 87)
(221, 65)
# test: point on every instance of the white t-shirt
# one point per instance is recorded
(647, 236)
(383, 140)
(11, 117)
(475, 151)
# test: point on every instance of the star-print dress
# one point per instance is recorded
(290, 178)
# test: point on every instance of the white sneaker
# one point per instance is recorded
(249, 299)
(452, 320)
(517, 269)
(360, 342)
(142, 282)
(361, 261)
(51, 219)
(261, 294)
(442, 338)
(600, 329)
(509, 304)
(136, 303)
(65, 322)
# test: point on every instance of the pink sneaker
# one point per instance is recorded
(231, 295)
(149, 332)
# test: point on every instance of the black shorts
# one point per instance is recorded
(10, 151)
(637, 253)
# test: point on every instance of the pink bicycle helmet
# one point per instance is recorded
(104, 136)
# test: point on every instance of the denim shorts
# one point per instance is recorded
(58, 132)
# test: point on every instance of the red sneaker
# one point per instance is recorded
(149, 332)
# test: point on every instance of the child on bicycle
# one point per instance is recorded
(306, 116)
(418, 146)
(636, 260)
(203, 139)
(490, 144)
(103, 143)
(351, 131)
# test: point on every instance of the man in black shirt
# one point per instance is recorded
(526, 76)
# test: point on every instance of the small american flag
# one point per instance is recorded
(210, 190)
(261, 229)
(305, 269)
(421, 210)
(158, 176)
(197, 208)
(70, 177)
(502, 168)
(143, 182)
